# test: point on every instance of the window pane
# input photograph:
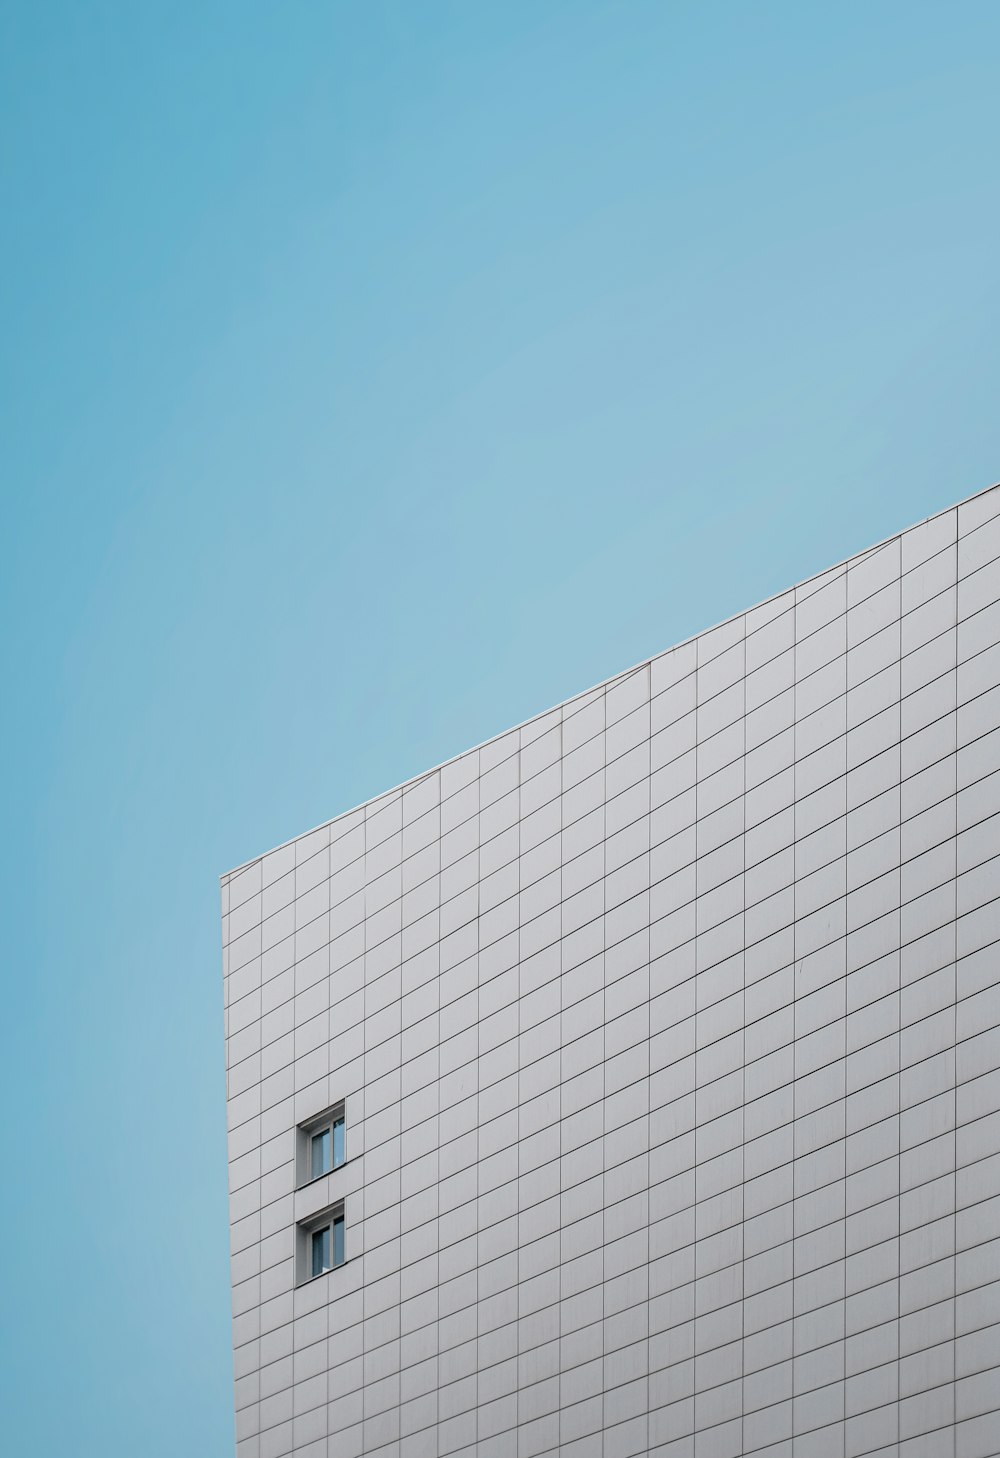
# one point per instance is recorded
(321, 1153)
(338, 1143)
(321, 1251)
(338, 1241)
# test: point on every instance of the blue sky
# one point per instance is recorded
(373, 376)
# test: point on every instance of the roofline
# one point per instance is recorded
(605, 682)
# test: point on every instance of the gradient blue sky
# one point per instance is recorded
(373, 376)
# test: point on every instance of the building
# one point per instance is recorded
(631, 1083)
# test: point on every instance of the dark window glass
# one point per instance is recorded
(321, 1250)
(321, 1150)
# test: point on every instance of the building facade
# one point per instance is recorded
(631, 1083)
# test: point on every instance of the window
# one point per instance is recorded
(322, 1145)
(320, 1243)
(327, 1148)
(327, 1246)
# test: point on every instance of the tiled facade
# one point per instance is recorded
(667, 1027)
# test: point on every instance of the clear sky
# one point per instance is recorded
(373, 376)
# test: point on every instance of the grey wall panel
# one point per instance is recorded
(666, 1029)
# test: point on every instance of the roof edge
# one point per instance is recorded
(603, 683)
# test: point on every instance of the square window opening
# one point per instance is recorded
(321, 1245)
(322, 1145)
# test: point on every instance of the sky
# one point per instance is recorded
(372, 377)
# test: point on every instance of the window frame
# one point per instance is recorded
(329, 1121)
(333, 1220)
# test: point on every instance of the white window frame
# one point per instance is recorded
(322, 1123)
(304, 1233)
